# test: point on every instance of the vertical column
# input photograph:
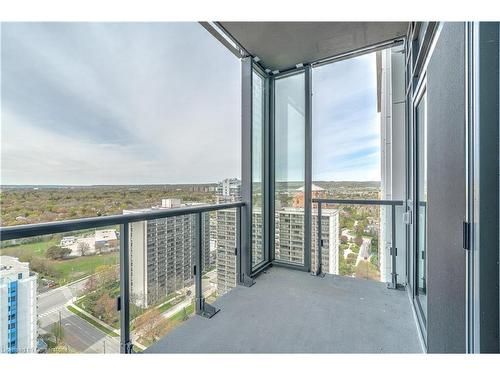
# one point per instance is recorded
(246, 170)
(308, 168)
(125, 344)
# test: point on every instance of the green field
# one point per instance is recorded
(74, 269)
(29, 249)
(62, 271)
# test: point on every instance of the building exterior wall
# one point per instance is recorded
(330, 235)
(18, 307)
(392, 155)
(163, 256)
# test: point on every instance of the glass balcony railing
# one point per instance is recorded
(115, 283)
(358, 238)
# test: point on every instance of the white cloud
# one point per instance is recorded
(118, 103)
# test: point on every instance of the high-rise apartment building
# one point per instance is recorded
(18, 307)
(224, 235)
(162, 253)
(228, 190)
(289, 237)
(289, 245)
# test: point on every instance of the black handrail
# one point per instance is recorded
(202, 308)
(40, 229)
(371, 202)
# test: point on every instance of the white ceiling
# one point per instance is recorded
(282, 45)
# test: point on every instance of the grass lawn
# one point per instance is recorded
(35, 249)
(178, 316)
(76, 268)
(169, 305)
(93, 322)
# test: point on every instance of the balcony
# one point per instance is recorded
(289, 311)
(231, 307)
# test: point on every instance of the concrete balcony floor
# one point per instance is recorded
(289, 311)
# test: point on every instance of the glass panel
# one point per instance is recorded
(357, 240)
(58, 293)
(257, 167)
(421, 204)
(289, 146)
(219, 269)
(162, 256)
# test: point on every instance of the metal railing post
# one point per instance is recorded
(319, 271)
(394, 250)
(246, 247)
(125, 343)
(239, 277)
(201, 307)
(197, 264)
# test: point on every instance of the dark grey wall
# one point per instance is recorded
(488, 187)
(446, 192)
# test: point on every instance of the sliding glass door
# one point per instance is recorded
(421, 202)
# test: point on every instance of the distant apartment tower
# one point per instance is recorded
(330, 234)
(162, 253)
(226, 245)
(228, 190)
(225, 251)
(289, 233)
(224, 234)
(18, 307)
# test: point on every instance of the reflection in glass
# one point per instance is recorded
(289, 107)
(422, 203)
(257, 167)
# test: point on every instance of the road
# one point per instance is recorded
(53, 300)
(364, 250)
(80, 335)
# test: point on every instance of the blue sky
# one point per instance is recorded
(125, 103)
(346, 125)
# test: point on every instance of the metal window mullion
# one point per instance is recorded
(308, 168)
(125, 344)
(246, 165)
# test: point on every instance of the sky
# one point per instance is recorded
(142, 103)
(346, 125)
(156, 103)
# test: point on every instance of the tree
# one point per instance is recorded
(83, 248)
(358, 241)
(343, 239)
(105, 308)
(44, 266)
(58, 331)
(106, 274)
(57, 252)
(152, 325)
(366, 270)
